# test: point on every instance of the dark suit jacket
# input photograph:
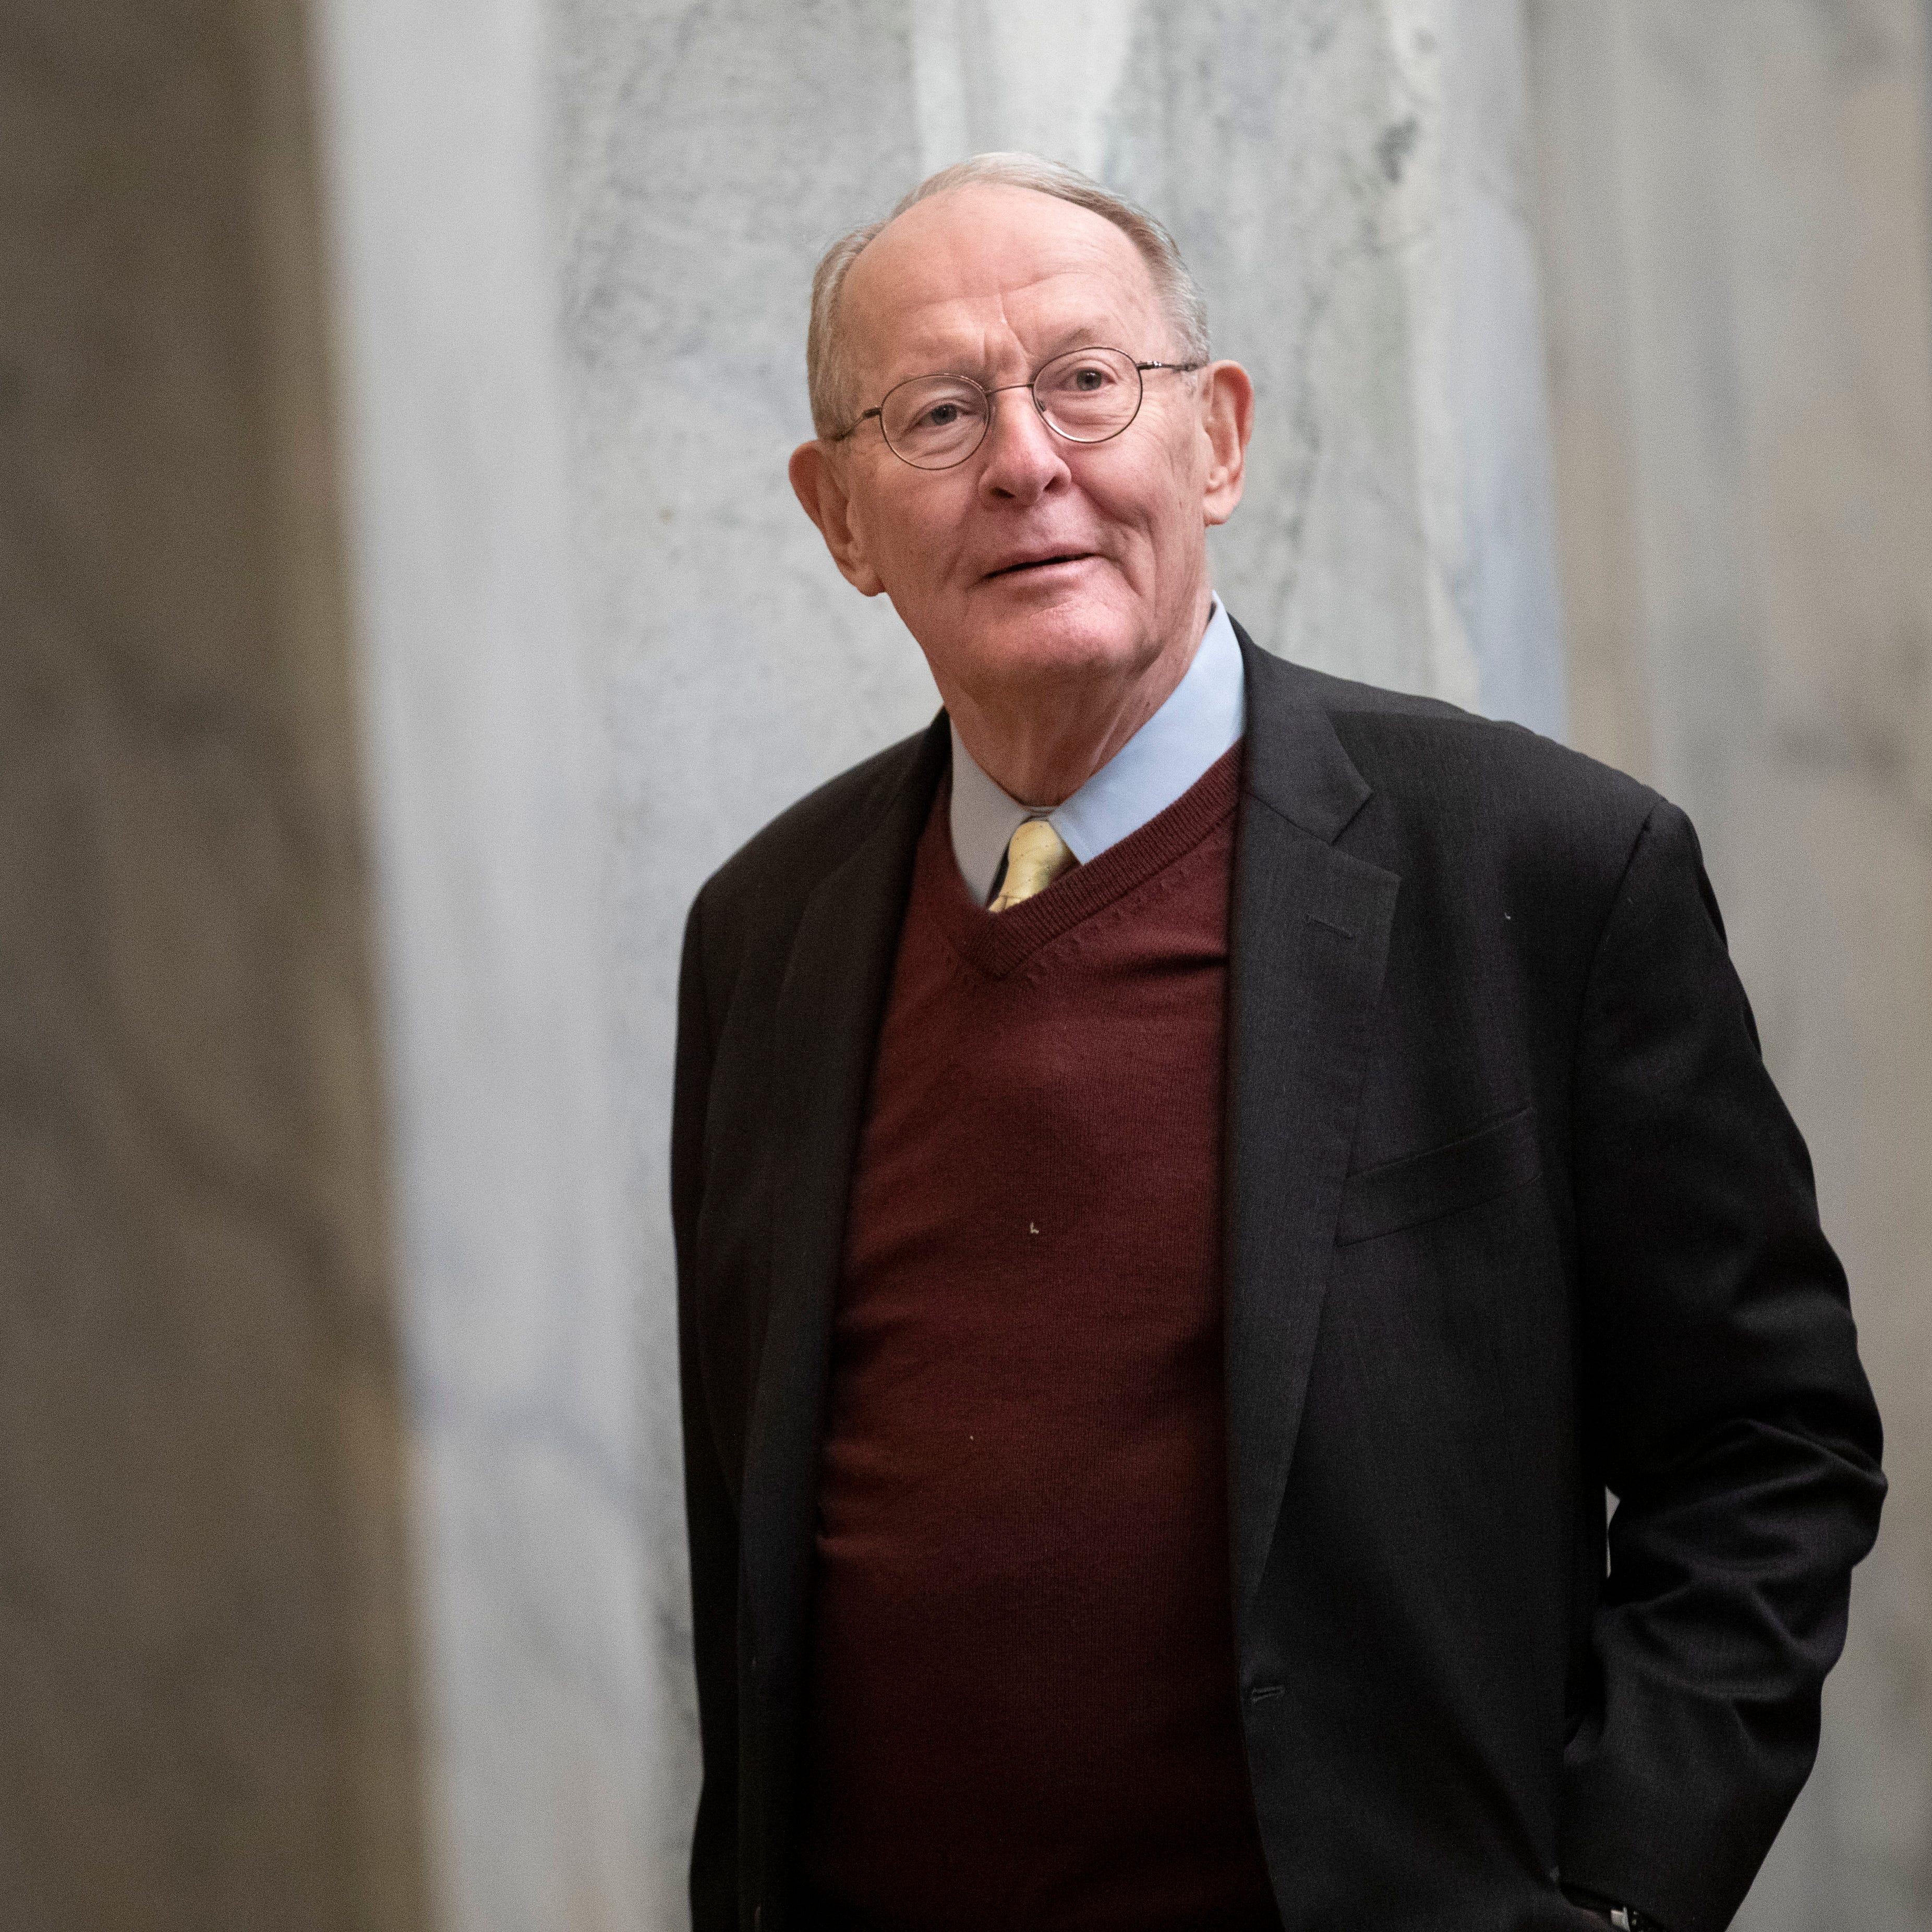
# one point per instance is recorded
(1513, 1214)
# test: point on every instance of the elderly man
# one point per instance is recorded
(1192, 1178)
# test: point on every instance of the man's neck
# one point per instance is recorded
(1041, 746)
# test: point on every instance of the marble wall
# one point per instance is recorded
(341, 1554)
(1738, 249)
(205, 1709)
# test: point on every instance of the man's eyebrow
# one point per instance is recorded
(1081, 335)
(1081, 338)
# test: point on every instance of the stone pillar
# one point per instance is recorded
(1738, 248)
(548, 1541)
(205, 1699)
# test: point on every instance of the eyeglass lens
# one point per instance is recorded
(1087, 396)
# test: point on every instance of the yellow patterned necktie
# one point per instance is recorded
(1036, 856)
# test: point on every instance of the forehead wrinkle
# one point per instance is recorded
(935, 337)
(992, 336)
(944, 263)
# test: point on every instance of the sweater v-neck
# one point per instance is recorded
(996, 943)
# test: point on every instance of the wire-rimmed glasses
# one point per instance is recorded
(1086, 395)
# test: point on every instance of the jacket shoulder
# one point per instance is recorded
(1430, 760)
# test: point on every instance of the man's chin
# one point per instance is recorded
(1051, 631)
(1061, 647)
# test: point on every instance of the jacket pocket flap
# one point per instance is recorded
(1421, 1186)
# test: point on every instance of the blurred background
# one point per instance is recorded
(402, 609)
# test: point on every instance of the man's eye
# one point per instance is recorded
(1083, 378)
(941, 415)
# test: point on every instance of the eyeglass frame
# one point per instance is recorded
(1140, 372)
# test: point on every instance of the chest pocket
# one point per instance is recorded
(1493, 1160)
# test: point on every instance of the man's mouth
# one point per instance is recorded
(1040, 562)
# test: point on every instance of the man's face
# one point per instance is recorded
(1037, 562)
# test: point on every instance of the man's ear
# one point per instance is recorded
(818, 482)
(1228, 420)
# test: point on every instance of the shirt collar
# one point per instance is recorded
(1202, 716)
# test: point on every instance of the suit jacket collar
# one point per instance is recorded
(1294, 764)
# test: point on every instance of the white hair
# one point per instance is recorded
(829, 376)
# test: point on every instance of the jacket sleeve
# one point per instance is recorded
(1724, 1399)
(711, 1522)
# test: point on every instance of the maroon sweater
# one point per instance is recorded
(1025, 1702)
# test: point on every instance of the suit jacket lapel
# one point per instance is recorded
(830, 1005)
(1309, 943)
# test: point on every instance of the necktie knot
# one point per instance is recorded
(1036, 856)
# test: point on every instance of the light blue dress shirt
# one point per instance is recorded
(1203, 715)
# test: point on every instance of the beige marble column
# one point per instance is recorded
(1738, 251)
(205, 1701)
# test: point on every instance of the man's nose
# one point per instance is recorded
(1024, 459)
